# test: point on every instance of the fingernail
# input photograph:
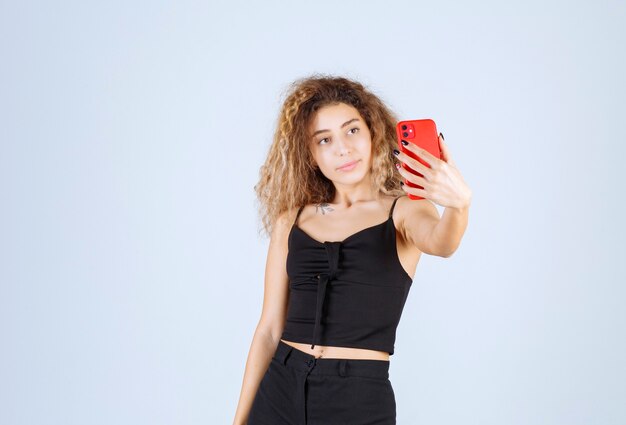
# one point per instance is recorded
(404, 142)
(396, 151)
(441, 134)
(402, 183)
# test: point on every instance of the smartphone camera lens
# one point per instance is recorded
(405, 134)
(404, 127)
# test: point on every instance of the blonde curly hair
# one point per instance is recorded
(288, 178)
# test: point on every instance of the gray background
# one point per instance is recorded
(131, 268)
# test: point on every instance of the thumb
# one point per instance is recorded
(445, 152)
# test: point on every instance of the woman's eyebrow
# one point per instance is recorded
(342, 126)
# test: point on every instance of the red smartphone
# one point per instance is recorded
(424, 134)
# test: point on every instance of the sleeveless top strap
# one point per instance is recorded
(298, 215)
(393, 205)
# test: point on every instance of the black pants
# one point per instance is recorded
(298, 389)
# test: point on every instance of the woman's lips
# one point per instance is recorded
(349, 166)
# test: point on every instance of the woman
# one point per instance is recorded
(344, 243)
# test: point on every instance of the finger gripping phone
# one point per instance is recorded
(422, 133)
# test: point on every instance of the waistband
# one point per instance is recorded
(297, 359)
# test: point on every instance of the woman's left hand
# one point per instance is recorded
(442, 182)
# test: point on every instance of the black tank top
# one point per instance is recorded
(348, 293)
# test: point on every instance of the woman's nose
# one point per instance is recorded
(343, 146)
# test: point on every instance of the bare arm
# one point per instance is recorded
(433, 235)
(418, 220)
(447, 234)
(272, 321)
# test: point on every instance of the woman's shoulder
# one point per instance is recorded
(406, 207)
(406, 204)
(285, 219)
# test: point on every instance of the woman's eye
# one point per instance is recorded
(320, 141)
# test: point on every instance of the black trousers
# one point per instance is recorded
(299, 389)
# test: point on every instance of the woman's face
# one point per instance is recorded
(340, 136)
